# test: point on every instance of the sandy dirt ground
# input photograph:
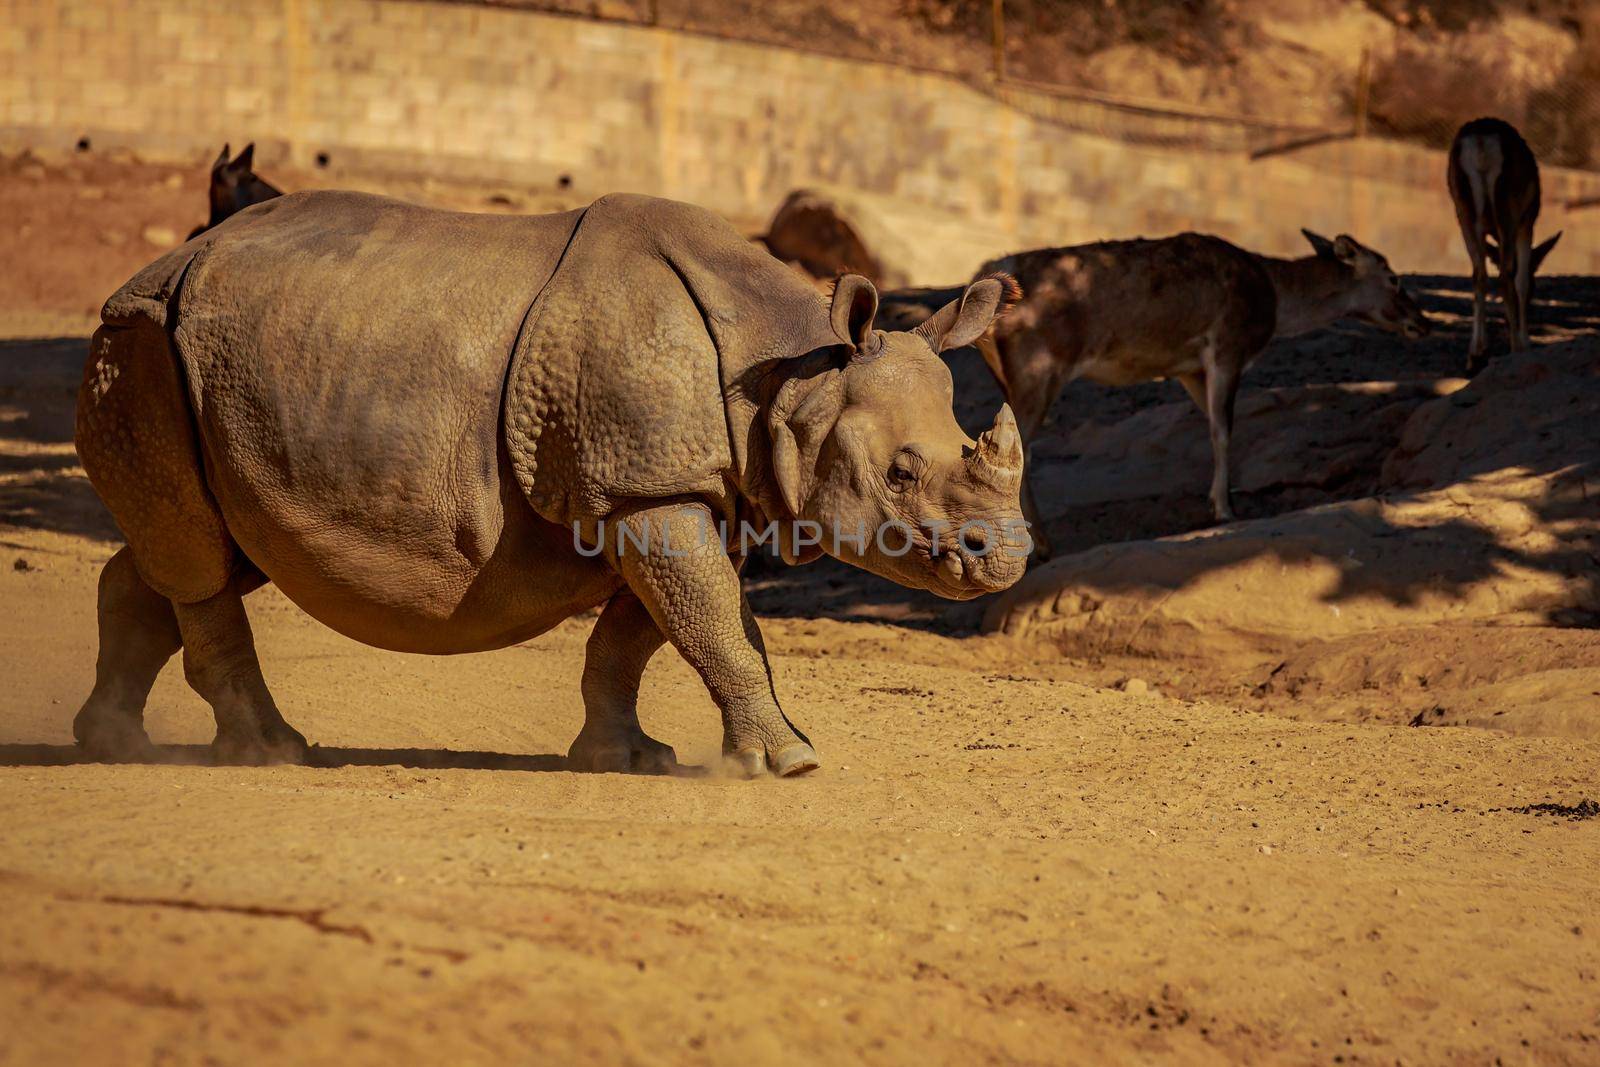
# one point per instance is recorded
(1005, 859)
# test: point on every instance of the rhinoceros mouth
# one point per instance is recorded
(959, 574)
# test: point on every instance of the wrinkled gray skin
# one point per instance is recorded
(401, 416)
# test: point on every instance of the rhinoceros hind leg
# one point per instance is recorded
(621, 644)
(136, 439)
(219, 661)
(138, 634)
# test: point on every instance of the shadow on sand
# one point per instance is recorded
(433, 759)
(1566, 314)
(40, 487)
(423, 759)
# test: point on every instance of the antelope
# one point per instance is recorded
(234, 187)
(1192, 307)
(1494, 182)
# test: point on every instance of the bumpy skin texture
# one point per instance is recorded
(429, 428)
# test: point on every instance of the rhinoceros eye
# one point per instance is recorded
(905, 470)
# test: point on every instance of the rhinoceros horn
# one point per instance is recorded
(998, 457)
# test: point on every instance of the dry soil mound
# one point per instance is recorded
(1492, 519)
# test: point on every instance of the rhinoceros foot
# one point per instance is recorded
(788, 762)
(621, 751)
(112, 737)
(277, 743)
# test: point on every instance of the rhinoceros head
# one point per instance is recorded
(868, 449)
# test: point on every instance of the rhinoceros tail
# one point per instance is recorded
(137, 441)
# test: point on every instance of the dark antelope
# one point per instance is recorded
(235, 186)
(1494, 181)
(1191, 307)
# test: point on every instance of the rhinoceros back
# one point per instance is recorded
(344, 357)
(621, 385)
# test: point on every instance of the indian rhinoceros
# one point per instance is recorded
(442, 432)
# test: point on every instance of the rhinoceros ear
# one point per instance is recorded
(802, 413)
(963, 321)
(855, 305)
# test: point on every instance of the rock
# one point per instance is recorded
(827, 234)
(160, 236)
(1136, 687)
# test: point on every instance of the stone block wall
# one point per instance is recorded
(467, 90)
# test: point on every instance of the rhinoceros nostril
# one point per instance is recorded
(974, 540)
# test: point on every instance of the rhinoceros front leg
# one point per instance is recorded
(620, 645)
(684, 578)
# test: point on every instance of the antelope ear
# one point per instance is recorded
(963, 321)
(855, 305)
(1346, 249)
(246, 160)
(221, 160)
(1541, 250)
(1319, 244)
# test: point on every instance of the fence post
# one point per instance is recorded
(998, 21)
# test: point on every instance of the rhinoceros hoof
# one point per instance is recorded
(281, 744)
(633, 755)
(112, 738)
(796, 759)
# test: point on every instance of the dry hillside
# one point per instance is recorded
(1434, 63)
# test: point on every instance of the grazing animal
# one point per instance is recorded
(1191, 307)
(234, 187)
(1494, 183)
(441, 432)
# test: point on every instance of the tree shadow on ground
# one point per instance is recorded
(1567, 314)
(433, 759)
(41, 486)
